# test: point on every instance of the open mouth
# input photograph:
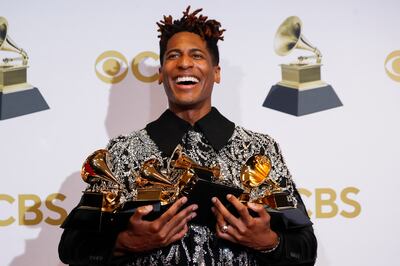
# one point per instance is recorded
(186, 80)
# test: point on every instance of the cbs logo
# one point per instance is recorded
(392, 65)
(112, 67)
(30, 210)
(329, 203)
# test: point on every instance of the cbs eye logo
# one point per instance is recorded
(392, 65)
(112, 67)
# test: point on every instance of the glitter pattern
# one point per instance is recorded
(199, 246)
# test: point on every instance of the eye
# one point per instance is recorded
(173, 55)
(392, 65)
(197, 56)
(111, 67)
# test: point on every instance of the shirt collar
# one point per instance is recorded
(168, 130)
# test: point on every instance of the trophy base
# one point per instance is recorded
(89, 215)
(202, 193)
(20, 100)
(301, 102)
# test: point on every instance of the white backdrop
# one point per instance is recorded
(344, 159)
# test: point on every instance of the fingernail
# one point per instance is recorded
(214, 199)
(193, 215)
(195, 207)
(149, 207)
(184, 200)
(228, 196)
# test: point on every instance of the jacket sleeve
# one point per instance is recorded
(298, 244)
(78, 247)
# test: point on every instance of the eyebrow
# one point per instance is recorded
(180, 51)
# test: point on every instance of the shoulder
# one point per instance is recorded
(136, 146)
(256, 141)
(124, 141)
(252, 136)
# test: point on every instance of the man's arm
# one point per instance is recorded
(298, 244)
(292, 243)
(79, 247)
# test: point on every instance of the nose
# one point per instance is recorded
(185, 61)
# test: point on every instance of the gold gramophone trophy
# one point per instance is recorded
(255, 175)
(103, 207)
(301, 90)
(184, 178)
(17, 97)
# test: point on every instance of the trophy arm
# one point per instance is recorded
(9, 45)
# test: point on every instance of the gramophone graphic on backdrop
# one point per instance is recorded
(301, 90)
(17, 97)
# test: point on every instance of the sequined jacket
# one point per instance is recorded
(212, 140)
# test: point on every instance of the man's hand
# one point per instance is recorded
(142, 235)
(253, 232)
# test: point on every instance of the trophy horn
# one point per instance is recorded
(153, 185)
(96, 168)
(180, 160)
(6, 44)
(256, 171)
(289, 37)
(152, 175)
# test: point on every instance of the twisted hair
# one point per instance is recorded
(208, 29)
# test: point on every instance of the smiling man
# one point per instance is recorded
(188, 73)
(240, 235)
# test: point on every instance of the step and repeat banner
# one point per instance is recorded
(76, 73)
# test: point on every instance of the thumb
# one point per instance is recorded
(141, 211)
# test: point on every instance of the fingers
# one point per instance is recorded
(180, 234)
(240, 223)
(143, 235)
(227, 216)
(176, 224)
(259, 209)
(241, 208)
(172, 222)
(237, 224)
(227, 235)
(166, 216)
(140, 212)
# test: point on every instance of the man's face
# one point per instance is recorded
(188, 73)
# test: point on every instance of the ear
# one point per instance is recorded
(160, 77)
(217, 74)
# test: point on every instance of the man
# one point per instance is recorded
(189, 68)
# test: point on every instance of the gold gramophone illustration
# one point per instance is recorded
(301, 90)
(17, 96)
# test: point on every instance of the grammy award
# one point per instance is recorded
(301, 90)
(17, 97)
(254, 174)
(103, 207)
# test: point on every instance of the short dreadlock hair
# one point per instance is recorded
(208, 29)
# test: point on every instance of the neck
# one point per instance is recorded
(190, 114)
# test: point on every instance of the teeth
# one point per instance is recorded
(186, 79)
